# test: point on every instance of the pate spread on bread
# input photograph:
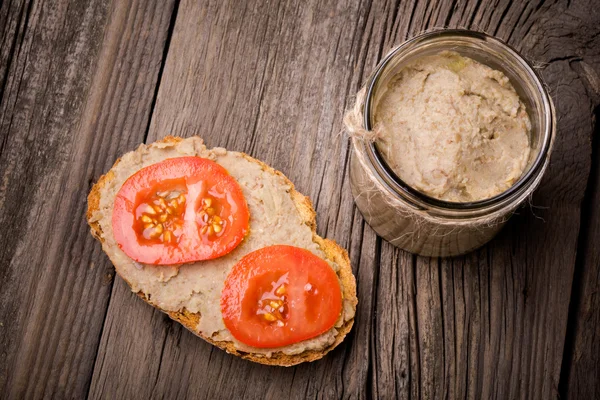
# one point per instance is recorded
(190, 293)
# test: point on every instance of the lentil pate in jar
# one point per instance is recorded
(450, 135)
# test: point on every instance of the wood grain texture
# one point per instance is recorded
(265, 79)
(273, 80)
(581, 366)
(81, 82)
(77, 82)
(492, 324)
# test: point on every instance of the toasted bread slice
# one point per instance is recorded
(190, 320)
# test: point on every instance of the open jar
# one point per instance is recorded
(413, 220)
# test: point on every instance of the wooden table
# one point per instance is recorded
(82, 82)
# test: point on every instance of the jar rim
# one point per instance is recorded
(524, 180)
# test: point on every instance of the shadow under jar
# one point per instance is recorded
(413, 220)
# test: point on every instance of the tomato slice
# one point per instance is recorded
(279, 295)
(180, 210)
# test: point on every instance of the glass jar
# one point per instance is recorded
(412, 220)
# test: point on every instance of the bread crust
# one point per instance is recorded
(190, 320)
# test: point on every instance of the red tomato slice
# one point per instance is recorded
(180, 210)
(279, 295)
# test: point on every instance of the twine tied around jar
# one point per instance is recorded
(353, 120)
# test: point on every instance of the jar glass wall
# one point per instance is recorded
(424, 225)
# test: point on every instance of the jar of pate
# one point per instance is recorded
(418, 222)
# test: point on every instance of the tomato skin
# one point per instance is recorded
(198, 179)
(311, 305)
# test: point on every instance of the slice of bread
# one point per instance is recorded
(190, 320)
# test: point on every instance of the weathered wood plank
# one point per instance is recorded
(493, 323)
(273, 80)
(270, 79)
(581, 367)
(77, 80)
